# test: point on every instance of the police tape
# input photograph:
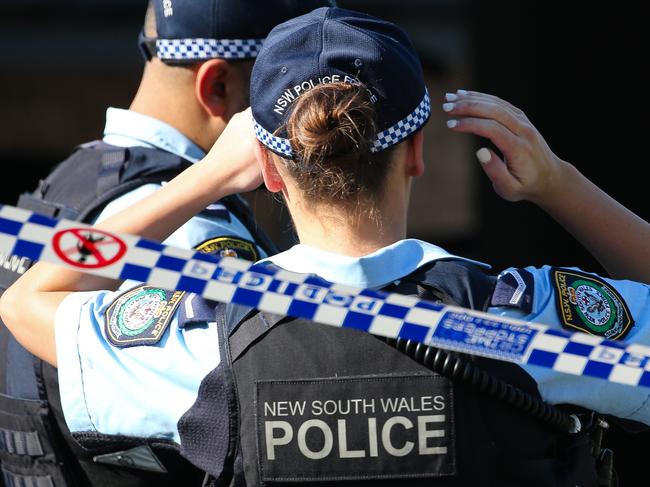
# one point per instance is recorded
(231, 280)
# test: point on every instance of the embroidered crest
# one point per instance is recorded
(229, 247)
(140, 316)
(590, 305)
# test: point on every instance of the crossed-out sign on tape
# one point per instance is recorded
(90, 250)
(71, 244)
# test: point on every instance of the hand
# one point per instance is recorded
(530, 171)
(232, 158)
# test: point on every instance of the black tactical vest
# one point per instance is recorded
(294, 401)
(36, 448)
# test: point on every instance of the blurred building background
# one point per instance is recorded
(64, 61)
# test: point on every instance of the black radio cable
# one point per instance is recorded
(458, 368)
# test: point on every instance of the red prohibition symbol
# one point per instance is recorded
(89, 249)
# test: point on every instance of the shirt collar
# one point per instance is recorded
(374, 270)
(126, 128)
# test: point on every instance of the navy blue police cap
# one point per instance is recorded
(330, 45)
(195, 30)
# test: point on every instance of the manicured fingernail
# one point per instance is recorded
(448, 107)
(451, 97)
(452, 123)
(461, 92)
(484, 155)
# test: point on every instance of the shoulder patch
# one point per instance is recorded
(140, 316)
(515, 289)
(588, 304)
(217, 210)
(196, 310)
(229, 247)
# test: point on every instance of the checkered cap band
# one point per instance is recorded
(276, 144)
(405, 127)
(226, 279)
(395, 134)
(190, 49)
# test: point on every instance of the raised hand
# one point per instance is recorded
(530, 171)
(614, 235)
(232, 158)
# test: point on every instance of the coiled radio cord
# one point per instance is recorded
(458, 368)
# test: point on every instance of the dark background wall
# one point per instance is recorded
(578, 76)
(576, 73)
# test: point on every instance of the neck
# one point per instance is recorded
(340, 231)
(167, 94)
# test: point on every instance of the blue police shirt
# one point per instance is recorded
(374, 270)
(150, 387)
(579, 301)
(537, 300)
(125, 128)
(143, 390)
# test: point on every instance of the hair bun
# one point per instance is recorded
(331, 121)
(331, 129)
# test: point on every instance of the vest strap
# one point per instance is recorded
(14, 480)
(109, 172)
(21, 442)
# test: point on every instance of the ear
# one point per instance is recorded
(210, 86)
(415, 158)
(272, 178)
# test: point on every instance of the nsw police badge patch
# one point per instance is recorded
(140, 316)
(590, 305)
(229, 247)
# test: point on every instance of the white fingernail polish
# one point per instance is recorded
(451, 97)
(448, 107)
(452, 123)
(461, 92)
(484, 155)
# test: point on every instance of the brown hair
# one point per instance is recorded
(331, 129)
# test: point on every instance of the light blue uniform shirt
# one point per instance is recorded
(557, 388)
(139, 391)
(143, 391)
(402, 258)
(375, 270)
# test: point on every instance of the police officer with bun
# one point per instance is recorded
(199, 55)
(338, 102)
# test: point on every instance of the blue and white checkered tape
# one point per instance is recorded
(383, 140)
(78, 246)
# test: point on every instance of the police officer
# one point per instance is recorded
(198, 60)
(338, 123)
